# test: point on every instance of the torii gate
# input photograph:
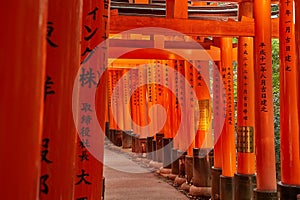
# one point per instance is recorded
(23, 46)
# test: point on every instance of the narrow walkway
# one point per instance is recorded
(122, 183)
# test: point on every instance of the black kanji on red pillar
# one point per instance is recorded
(50, 30)
(83, 156)
(87, 77)
(93, 12)
(48, 87)
(44, 153)
(43, 185)
(82, 178)
(92, 33)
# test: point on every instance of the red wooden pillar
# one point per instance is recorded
(135, 100)
(175, 108)
(201, 77)
(245, 176)
(218, 114)
(190, 107)
(182, 142)
(118, 92)
(228, 137)
(127, 120)
(143, 114)
(264, 112)
(23, 53)
(190, 129)
(110, 103)
(151, 98)
(297, 37)
(167, 98)
(289, 186)
(63, 60)
(89, 170)
(117, 100)
(159, 90)
(113, 124)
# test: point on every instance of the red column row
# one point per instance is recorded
(40, 62)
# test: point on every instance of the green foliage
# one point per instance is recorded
(276, 100)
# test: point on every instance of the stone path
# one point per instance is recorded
(122, 184)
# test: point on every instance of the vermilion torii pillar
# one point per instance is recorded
(190, 106)
(201, 162)
(166, 98)
(228, 138)
(119, 112)
(23, 53)
(297, 36)
(134, 100)
(89, 170)
(175, 118)
(143, 108)
(245, 176)
(182, 143)
(289, 186)
(190, 128)
(264, 111)
(201, 88)
(218, 113)
(127, 120)
(59, 132)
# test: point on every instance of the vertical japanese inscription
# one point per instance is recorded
(245, 82)
(44, 188)
(288, 39)
(263, 78)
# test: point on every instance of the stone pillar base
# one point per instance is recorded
(153, 154)
(142, 146)
(167, 147)
(181, 155)
(244, 185)
(149, 147)
(215, 182)
(118, 138)
(226, 188)
(107, 129)
(185, 186)
(189, 168)
(201, 169)
(126, 139)
(200, 191)
(265, 195)
(175, 163)
(179, 181)
(288, 192)
(159, 145)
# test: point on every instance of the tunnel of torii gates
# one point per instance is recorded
(50, 145)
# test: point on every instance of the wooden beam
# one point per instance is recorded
(167, 44)
(166, 54)
(191, 27)
(141, 1)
